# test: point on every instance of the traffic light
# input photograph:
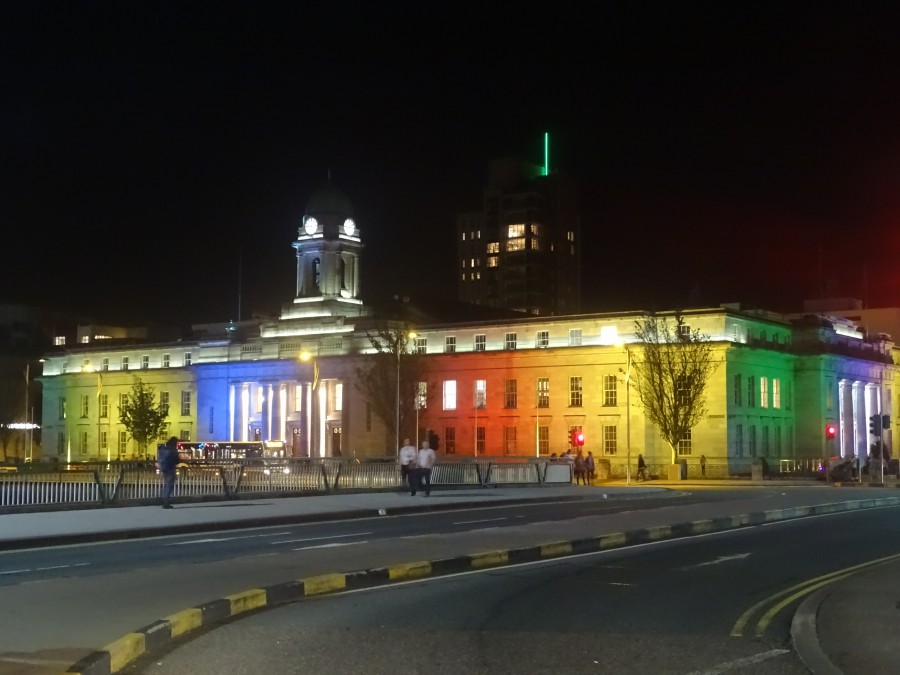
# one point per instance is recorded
(577, 437)
(875, 425)
(885, 421)
(830, 432)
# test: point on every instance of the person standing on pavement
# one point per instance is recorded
(580, 468)
(589, 464)
(407, 457)
(168, 468)
(424, 464)
(703, 465)
(642, 468)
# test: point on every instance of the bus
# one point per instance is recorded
(210, 450)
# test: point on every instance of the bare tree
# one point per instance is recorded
(376, 380)
(144, 418)
(670, 374)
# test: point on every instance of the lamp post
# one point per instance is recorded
(91, 369)
(627, 373)
(401, 346)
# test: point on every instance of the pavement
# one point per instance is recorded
(845, 627)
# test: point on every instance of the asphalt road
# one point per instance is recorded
(709, 604)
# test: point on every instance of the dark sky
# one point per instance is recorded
(750, 151)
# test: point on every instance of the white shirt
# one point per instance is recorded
(407, 455)
(426, 458)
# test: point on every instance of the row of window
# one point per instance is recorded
(103, 403)
(511, 392)
(763, 441)
(125, 363)
(121, 441)
(770, 393)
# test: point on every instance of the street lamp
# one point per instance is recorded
(627, 373)
(90, 369)
(401, 345)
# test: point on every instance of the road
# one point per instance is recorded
(708, 604)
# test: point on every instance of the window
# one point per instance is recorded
(184, 435)
(449, 394)
(570, 236)
(123, 442)
(104, 405)
(339, 396)
(739, 440)
(479, 440)
(104, 440)
(542, 339)
(123, 401)
(212, 416)
(610, 435)
(535, 244)
(450, 440)
(765, 441)
(534, 229)
(85, 405)
(738, 391)
(684, 330)
(764, 392)
(493, 261)
(421, 345)
(493, 247)
(682, 391)
(62, 407)
(543, 440)
(509, 440)
(787, 395)
(751, 392)
(777, 441)
(480, 393)
(421, 395)
(83, 442)
(510, 394)
(65, 367)
(684, 445)
(610, 390)
(124, 363)
(776, 393)
(145, 362)
(515, 244)
(574, 337)
(167, 360)
(59, 340)
(751, 441)
(511, 340)
(480, 342)
(575, 393)
(513, 231)
(187, 358)
(450, 344)
(86, 364)
(104, 364)
(185, 403)
(543, 392)
(61, 443)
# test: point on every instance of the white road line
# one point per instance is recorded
(53, 567)
(15, 572)
(274, 534)
(483, 520)
(334, 544)
(740, 663)
(335, 536)
(210, 540)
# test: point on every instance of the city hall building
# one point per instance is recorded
(511, 386)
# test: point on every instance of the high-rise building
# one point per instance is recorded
(522, 250)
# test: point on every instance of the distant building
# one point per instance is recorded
(522, 249)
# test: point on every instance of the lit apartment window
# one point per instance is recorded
(124, 363)
(509, 440)
(472, 262)
(478, 234)
(543, 440)
(493, 261)
(104, 405)
(450, 344)
(513, 231)
(449, 394)
(542, 339)
(85, 339)
(610, 390)
(511, 340)
(464, 263)
(421, 345)
(450, 440)
(59, 340)
(463, 236)
(85, 405)
(145, 362)
(462, 277)
(543, 392)
(610, 439)
(684, 445)
(62, 407)
(339, 396)
(510, 394)
(515, 244)
(167, 359)
(776, 393)
(738, 389)
(164, 403)
(535, 244)
(764, 392)
(480, 342)
(187, 358)
(185, 403)
(534, 229)
(574, 337)
(104, 364)
(480, 393)
(493, 247)
(575, 393)
(570, 236)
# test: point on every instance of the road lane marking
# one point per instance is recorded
(16, 571)
(333, 544)
(740, 663)
(274, 534)
(483, 520)
(718, 561)
(45, 569)
(334, 536)
(210, 540)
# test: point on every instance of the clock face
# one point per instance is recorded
(349, 227)
(311, 225)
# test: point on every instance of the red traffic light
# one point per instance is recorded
(830, 431)
(578, 438)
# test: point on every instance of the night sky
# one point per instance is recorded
(724, 151)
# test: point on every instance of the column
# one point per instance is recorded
(231, 411)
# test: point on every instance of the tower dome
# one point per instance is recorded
(329, 202)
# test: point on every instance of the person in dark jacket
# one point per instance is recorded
(168, 463)
(642, 468)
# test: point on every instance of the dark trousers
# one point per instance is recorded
(424, 480)
(168, 486)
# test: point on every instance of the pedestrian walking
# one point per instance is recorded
(589, 463)
(580, 468)
(642, 468)
(424, 464)
(407, 456)
(168, 467)
(703, 465)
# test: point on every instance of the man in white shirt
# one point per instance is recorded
(424, 463)
(407, 456)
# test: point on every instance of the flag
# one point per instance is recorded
(99, 384)
(27, 373)
(315, 382)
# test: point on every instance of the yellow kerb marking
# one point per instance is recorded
(185, 621)
(489, 559)
(415, 570)
(553, 550)
(324, 583)
(247, 600)
(612, 540)
(660, 532)
(125, 650)
(701, 526)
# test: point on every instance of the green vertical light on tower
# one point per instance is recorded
(546, 153)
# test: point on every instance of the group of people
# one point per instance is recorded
(584, 468)
(416, 465)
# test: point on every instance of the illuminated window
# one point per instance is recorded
(124, 363)
(534, 229)
(104, 364)
(450, 344)
(463, 236)
(684, 445)
(421, 345)
(480, 342)
(764, 392)
(542, 339)
(610, 390)
(104, 405)
(478, 276)
(510, 394)
(164, 403)
(338, 396)
(463, 278)
(575, 393)
(609, 439)
(514, 231)
(543, 440)
(187, 358)
(776, 393)
(450, 440)
(85, 339)
(543, 392)
(185, 435)
(59, 340)
(516, 244)
(62, 408)
(493, 261)
(478, 234)
(493, 247)
(449, 394)
(167, 360)
(570, 236)
(535, 244)
(511, 340)
(480, 393)
(185, 403)
(464, 262)
(509, 440)
(85, 404)
(471, 262)
(421, 395)
(145, 362)
(574, 337)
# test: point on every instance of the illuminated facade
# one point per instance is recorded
(522, 250)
